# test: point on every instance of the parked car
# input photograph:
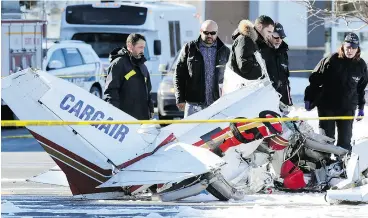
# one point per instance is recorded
(77, 62)
(166, 102)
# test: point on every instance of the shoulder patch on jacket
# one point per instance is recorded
(130, 74)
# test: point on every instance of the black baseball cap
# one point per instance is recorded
(280, 30)
(352, 39)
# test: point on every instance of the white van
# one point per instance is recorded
(106, 26)
(78, 63)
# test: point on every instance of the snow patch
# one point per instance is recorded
(359, 127)
(12, 180)
(259, 211)
(201, 198)
(10, 208)
(298, 85)
(151, 215)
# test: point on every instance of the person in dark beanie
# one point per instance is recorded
(278, 65)
(128, 83)
(337, 88)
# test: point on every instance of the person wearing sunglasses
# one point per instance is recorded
(199, 75)
(336, 88)
(278, 67)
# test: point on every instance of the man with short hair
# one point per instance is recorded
(199, 71)
(246, 62)
(278, 65)
(264, 27)
(128, 83)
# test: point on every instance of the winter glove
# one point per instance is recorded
(360, 114)
(307, 105)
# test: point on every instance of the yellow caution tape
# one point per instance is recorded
(153, 74)
(106, 122)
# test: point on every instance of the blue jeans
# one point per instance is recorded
(191, 108)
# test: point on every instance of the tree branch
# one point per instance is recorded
(346, 11)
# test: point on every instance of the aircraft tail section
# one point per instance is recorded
(87, 154)
(37, 95)
(83, 176)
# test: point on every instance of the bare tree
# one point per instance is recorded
(335, 11)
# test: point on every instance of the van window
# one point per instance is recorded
(59, 56)
(104, 43)
(72, 57)
(123, 15)
(174, 30)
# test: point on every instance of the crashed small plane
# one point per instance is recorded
(229, 160)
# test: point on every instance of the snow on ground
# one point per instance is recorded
(360, 128)
(298, 85)
(276, 205)
(9, 208)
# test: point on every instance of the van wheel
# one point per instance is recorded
(96, 91)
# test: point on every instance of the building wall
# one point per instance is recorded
(227, 14)
(293, 18)
(306, 45)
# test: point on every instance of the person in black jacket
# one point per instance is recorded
(264, 27)
(278, 65)
(337, 87)
(242, 58)
(200, 70)
(128, 83)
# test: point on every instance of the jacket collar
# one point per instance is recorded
(284, 46)
(134, 61)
